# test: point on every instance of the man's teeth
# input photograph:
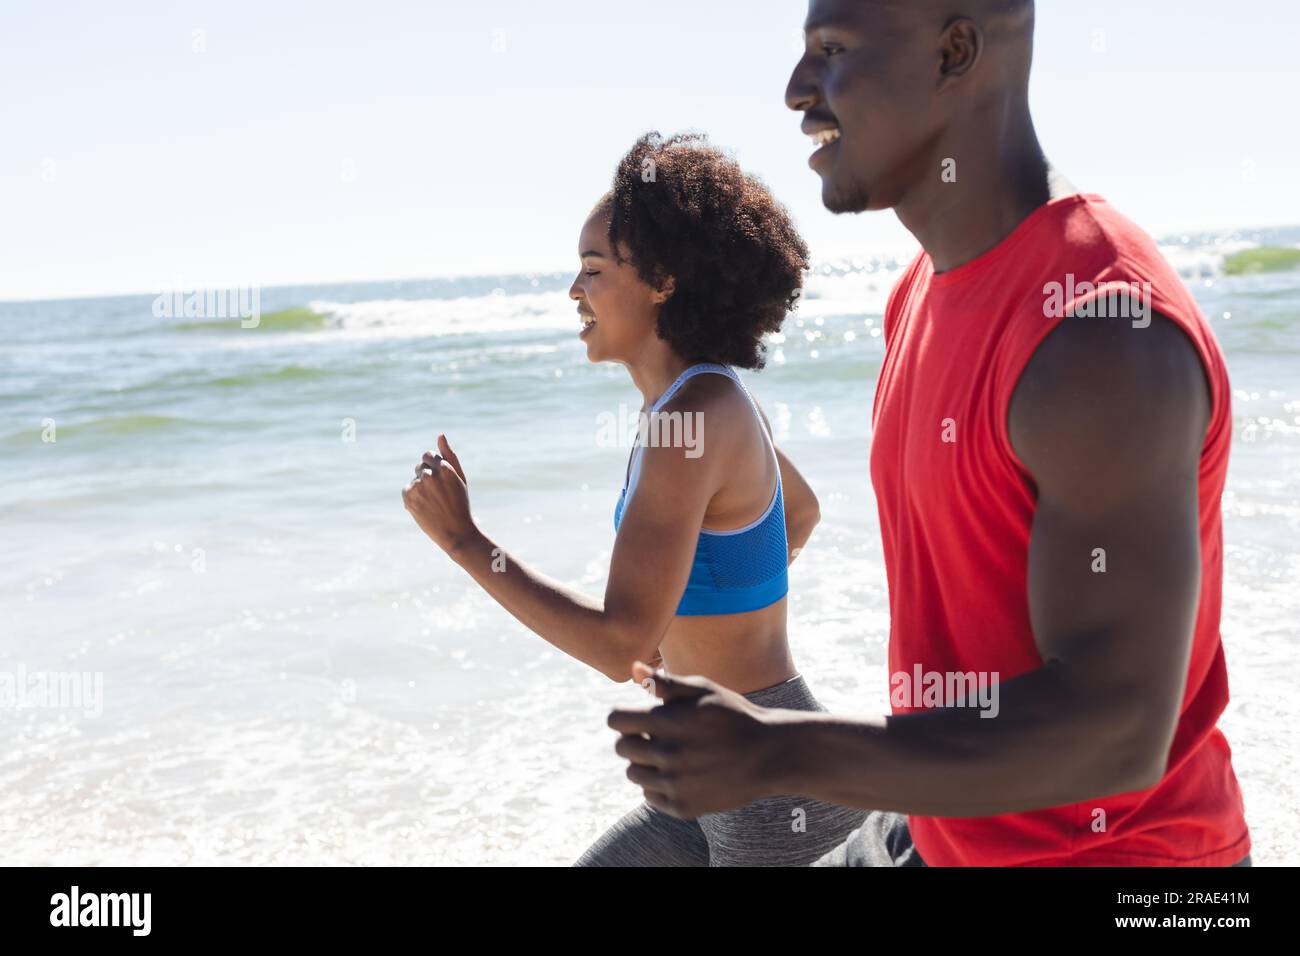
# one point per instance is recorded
(587, 320)
(825, 137)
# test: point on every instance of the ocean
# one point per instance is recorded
(262, 660)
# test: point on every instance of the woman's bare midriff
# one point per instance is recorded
(742, 652)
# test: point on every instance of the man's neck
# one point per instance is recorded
(1001, 177)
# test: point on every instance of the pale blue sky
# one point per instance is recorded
(317, 142)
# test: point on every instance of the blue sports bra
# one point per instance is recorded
(733, 571)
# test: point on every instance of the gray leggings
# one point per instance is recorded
(776, 831)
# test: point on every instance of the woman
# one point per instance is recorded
(686, 263)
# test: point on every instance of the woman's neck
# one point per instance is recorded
(654, 374)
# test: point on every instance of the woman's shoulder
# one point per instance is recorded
(716, 408)
(713, 395)
(706, 438)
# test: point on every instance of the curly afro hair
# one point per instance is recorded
(683, 208)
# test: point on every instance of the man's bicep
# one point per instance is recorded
(1116, 597)
(1111, 427)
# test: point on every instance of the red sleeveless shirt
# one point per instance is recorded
(955, 519)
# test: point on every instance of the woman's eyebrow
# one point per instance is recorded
(590, 253)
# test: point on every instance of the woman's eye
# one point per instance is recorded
(592, 273)
(831, 49)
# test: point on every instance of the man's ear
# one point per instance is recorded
(960, 45)
(667, 286)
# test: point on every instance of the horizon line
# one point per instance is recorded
(1161, 240)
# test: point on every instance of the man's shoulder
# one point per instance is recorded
(1107, 392)
(1094, 241)
(1093, 263)
(1110, 300)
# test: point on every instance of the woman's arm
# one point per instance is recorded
(801, 510)
(648, 571)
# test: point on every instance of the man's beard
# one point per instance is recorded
(852, 199)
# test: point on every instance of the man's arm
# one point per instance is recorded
(1110, 421)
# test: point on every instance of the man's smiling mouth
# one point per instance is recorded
(824, 137)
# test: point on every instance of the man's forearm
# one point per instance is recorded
(1045, 748)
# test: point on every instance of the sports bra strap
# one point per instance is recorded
(662, 400)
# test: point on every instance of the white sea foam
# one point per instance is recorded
(470, 315)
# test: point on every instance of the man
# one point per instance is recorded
(1050, 442)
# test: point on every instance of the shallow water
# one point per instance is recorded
(292, 673)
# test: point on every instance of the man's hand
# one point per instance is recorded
(438, 498)
(707, 748)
